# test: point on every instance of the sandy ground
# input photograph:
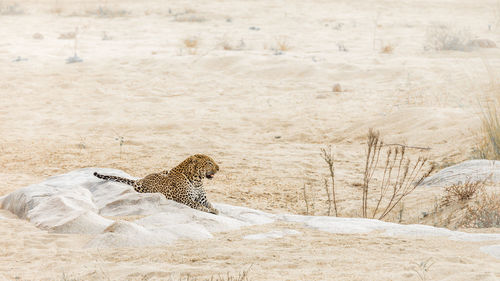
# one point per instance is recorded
(261, 112)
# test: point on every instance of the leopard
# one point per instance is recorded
(183, 183)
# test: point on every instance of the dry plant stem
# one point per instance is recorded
(384, 184)
(374, 146)
(408, 146)
(329, 199)
(328, 157)
(411, 184)
(305, 199)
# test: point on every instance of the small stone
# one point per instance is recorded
(38, 36)
(337, 88)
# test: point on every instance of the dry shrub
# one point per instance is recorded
(327, 155)
(387, 49)
(282, 43)
(10, 9)
(483, 212)
(230, 45)
(190, 18)
(106, 12)
(488, 141)
(444, 38)
(401, 175)
(462, 192)
(467, 205)
(189, 15)
(191, 42)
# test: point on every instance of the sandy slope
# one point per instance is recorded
(168, 102)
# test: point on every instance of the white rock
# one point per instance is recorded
(78, 202)
(493, 250)
(472, 170)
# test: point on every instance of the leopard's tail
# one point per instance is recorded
(117, 179)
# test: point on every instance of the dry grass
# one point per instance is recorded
(282, 43)
(327, 155)
(488, 141)
(467, 205)
(231, 45)
(387, 49)
(483, 212)
(10, 9)
(459, 193)
(189, 15)
(190, 18)
(400, 177)
(488, 138)
(444, 38)
(107, 12)
(191, 44)
(242, 276)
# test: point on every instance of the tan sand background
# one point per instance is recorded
(262, 113)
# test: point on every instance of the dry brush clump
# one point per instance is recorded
(469, 205)
(488, 137)
(483, 212)
(10, 9)
(327, 155)
(440, 37)
(191, 44)
(282, 44)
(387, 49)
(103, 11)
(462, 192)
(400, 177)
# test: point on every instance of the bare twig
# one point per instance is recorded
(305, 200)
(406, 177)
(374, 146)
(329, 199)
(327, 155)
(408, 146)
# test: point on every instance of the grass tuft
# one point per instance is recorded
(445, 38)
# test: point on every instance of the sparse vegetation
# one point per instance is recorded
(7, 9)
(282, 44)
(460, 193)
(488, 138)
(327, 155)
(444, 38)
(400, 175)
(242, 276)
(191, 44)
(483, 212)
(422, 268)
(387, 49)
(103, 11)
(467, 204)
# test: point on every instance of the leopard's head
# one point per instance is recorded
(200, 166)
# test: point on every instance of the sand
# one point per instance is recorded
(143, 101)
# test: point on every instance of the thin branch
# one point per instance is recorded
(408, 146)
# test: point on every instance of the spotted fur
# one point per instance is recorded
(183, 184)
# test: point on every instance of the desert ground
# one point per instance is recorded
(250, 83)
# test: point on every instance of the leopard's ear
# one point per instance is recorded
(191, 166)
